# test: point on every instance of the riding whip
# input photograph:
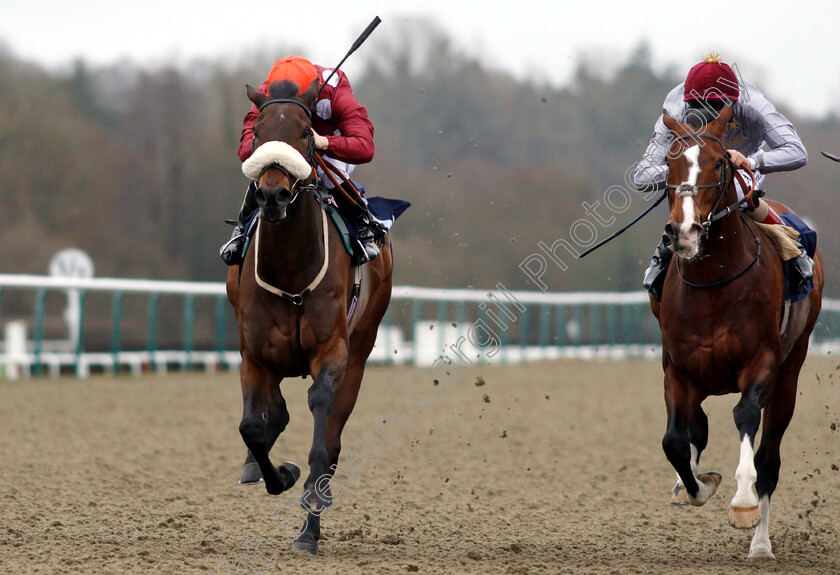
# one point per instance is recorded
(359, 41)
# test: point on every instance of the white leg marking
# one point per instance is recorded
(745, 476)
(695, 458)
(707, 486)
(760, 546)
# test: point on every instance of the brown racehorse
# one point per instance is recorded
(291, 304)
(721, 318)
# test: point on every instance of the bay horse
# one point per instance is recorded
(721, 317)
(291, 298)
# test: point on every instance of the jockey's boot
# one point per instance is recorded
(232, 251)
(799, 268)
(368, 229)
(658, 268)
(802, 270)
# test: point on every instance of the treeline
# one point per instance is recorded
(138, 166)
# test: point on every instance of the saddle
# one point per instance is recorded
(788, 238)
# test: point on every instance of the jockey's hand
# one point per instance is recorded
(738, 159)
(321, 143)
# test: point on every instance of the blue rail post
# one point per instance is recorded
(154, 298)
(545, 328)
(78, 335)
(189, 328)
(116, 322)
(524, 332)
(40, 305)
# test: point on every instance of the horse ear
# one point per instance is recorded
(723, 118)
(257, 97)
(670, 122)
(311, 93)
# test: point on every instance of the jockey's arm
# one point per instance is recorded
(246, 140)
(355, 143)
(786, 149)
(651, 172)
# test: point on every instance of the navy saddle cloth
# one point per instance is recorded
(385, 210)
(808, 240)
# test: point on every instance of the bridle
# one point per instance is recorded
(297, 186)
(690, 191)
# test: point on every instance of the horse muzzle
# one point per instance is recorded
(273, 203)
(685, 240)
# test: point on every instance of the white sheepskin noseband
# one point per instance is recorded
(279, 153)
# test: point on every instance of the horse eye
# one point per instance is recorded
(719, 164)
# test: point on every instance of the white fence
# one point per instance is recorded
(54, 326)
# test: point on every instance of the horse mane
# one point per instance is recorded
(285, 89)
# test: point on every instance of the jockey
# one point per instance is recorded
(341, 128)
(709, 86)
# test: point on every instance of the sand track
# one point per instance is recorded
(549, 468)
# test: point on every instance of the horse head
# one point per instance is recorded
(699, 176)
(283, 146)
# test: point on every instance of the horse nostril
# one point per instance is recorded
(259, 195)
(670, 231)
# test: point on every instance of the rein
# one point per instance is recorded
(690, 190)
(736, 276)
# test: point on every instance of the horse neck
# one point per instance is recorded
(291, 251)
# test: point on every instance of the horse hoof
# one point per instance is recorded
(761, 554)
(714, 476)
(251, 474)
(744, 517)
(679, 495)
(310, 547)
(290, 472)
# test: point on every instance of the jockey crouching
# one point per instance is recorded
(342, 131)
(709, 86)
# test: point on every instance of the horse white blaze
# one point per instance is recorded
(688, 234)
(745, 476)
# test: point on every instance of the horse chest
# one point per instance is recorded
(270, 336)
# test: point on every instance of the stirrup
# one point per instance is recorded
(804, 266)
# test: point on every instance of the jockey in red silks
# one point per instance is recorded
(709, 87)
(341, 128)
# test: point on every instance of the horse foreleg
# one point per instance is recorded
(683, 408)
(698, 433)
(317, 497)
(264, 417)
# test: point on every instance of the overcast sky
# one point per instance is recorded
(790, 49)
